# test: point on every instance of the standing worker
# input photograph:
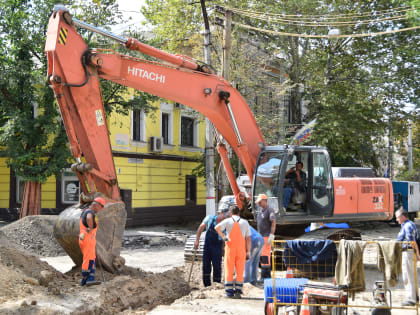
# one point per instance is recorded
(87, 240)
(213, 247)
(408, 233)
(266, 223)
(251, 265)
(237, 250)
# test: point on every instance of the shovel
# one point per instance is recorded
(192, 265)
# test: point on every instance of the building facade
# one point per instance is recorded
(154, 156)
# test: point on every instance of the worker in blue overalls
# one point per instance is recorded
(213, 247)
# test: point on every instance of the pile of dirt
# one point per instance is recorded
(140, 241)
(30, 286)
(35, 235)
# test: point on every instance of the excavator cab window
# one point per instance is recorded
(321, 184)
(267, 177)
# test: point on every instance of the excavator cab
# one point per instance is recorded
(295, 201)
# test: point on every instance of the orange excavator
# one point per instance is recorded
(74, 71)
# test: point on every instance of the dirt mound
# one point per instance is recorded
(125, 292)
(30, 286)
(35, 235)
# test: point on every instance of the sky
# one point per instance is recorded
(130, 8)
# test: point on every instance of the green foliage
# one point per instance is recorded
(36, 145)
(174, 21)
(30, 133)
(357, 87)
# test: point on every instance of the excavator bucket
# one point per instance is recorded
(111, 225)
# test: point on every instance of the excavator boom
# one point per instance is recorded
(74, 71)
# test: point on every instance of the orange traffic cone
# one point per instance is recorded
(304, 308)
(289, 273)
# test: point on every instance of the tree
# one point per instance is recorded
(356, 87)
(31, 132)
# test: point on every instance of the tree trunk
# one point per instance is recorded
(31, 199)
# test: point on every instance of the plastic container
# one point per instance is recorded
(286, 289)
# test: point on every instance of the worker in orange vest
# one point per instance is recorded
(87, 240)
(237, 250)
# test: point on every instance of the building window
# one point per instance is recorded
(166, 123)
(165, 128)
(20, 183)
(187, 131)
(138, 130)
(70, 187)
(190, 189)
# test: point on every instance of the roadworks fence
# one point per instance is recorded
(338, 277)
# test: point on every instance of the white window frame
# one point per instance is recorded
(196, 131)
(142, 141)
(19, 196)
(66, 178)
(168, 109)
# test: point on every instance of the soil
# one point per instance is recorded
(31, 286)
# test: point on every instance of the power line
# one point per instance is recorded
(324, 16)
(323, 23)
(326, 36)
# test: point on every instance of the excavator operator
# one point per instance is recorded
(87, 240)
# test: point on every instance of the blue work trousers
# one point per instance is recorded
(251, 266)
(287, 195)
(212, 256)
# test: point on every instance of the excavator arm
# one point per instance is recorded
(74, 71)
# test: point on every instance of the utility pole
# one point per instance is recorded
(210, 189)
(227, 44)
(390, 155)
(227, 30)
(410, 145)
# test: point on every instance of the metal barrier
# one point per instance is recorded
(302, 286)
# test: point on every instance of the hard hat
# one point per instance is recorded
(261, 197)
(100, 201)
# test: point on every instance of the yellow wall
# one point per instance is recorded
(4, 184)
(48, 193)
(155, 183)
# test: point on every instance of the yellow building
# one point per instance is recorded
(154, 156)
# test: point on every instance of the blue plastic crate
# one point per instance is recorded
(286, 289)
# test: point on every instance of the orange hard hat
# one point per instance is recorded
(100, 200)
(261, 197)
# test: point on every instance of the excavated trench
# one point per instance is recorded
(31, 286)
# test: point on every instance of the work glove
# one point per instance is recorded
(270, 239)
(82, 236)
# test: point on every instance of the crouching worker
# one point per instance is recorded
(237, 250)
(213, 247)
(87, 240)
(251, 266)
